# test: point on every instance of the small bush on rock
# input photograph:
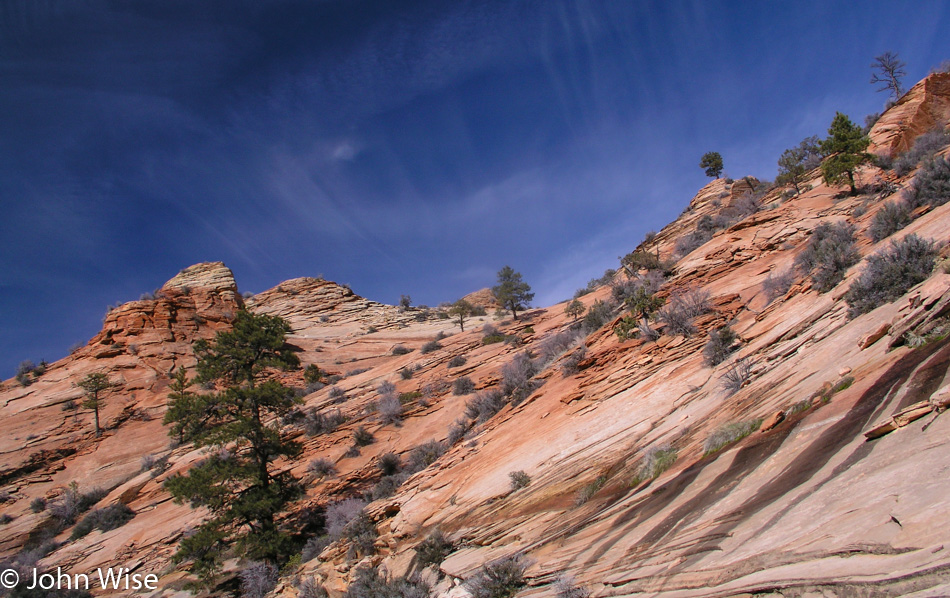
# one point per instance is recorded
(485, 404)
(931, 186)
(721, 343)
(892, 217)
(777, 285)
(370, 583)
(656, 460)
(429, 347)
(258, 579)
(517, 378)
(729, 433)
(828, 255)
(424, 455)
(105, 519)
(890, 273)
(737, 375)
(463, 386)
(433, 550)
(498, 579)
(924, 147)
(321, 467)
(519, 480)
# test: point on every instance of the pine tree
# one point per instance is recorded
(796, 162)
(845, 148)
(460, 310)
(512, 292)
(183, 412)
(94, 386)
(575, 309)
(238, 483)
(712, 162)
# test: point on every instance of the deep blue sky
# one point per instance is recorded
(401, 147)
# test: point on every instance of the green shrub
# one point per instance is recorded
(370, 583)
(829, 253)
(258, 579)
(314, 547)
(104, 519)
(842, 384)
(588, 491)
(737, 375)
(682, 308)
(38, 504)
(729, 433)
(656, 460)
(485, 404)
(931, 186)
(491, 335)
(389, 463)
(924, 147)
(456, 362)
(433, 550)
(499, 579)
(321, 467)
(463, 386)
(405, 373)
(317, 423)
(519, 480)
(565, 587)
(892, 217)
(777, 285)
(400, 350)
(362, 437)
(424, 455)
(890, 273)
(312, 374)
(598, 314)
(429, 347)
(721, 343)
(308, 587)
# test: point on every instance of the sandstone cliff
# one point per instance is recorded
(805, 505)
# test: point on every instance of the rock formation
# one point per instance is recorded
(839, 489)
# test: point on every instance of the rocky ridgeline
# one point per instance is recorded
(310, 302)
(918, 111)
(805, 504)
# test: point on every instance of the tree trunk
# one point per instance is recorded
(98, 429)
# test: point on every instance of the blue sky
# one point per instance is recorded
(400, 147)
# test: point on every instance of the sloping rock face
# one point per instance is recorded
(926, 105)
(806, 505)
(309, 302)
(48, 441)
(483, 298)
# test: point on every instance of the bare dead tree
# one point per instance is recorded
(888, 70)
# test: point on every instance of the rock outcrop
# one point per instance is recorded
(483, 298)
(639, 483)
(926, 105)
